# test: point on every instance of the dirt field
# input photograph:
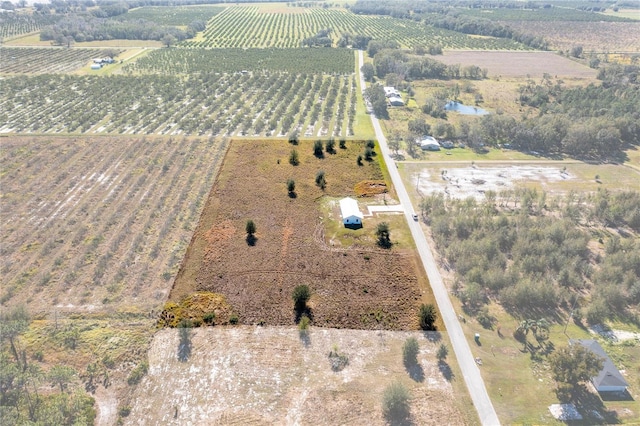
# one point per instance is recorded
(361, 286)
(98, 224)
(519, 64)
(592, 36)
(270, 376)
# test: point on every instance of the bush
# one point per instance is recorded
(303, 325)
(338, 361)
(395, 403)
(317, 149)
(330, 146)
(442, 353)
(321, 182)
(293, 158)
(410, 351)
(359, 160)
(343, 144)
(300, 296)
(209, 318)
(138, 373)
(291, 185)
(428, 316)
(250, 227)
(234, 319)
(125, 411)
(384, 237)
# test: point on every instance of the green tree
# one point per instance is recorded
(359, 160)
(250, 227)
(395, 403)
(572, 366)
(442, 352)
(300, 296)
(317, 149)
(383, 234)
(293, 158)
(428, 316)
(330, 146)
(291, 186)
(368, 72)
(12, 324)
(321, 182)
(410, 351)
(168, 40)
(61, 375)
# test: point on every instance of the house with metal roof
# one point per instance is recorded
(609, 379)
(351, 214)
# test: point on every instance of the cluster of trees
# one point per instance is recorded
(357, 41)
(409, 67)
(320, 39)
(86, 28)
(533, 261)
(375, 95)
(21, 401)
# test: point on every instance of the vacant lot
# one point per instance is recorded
(592, 36)
(519, 64)
(99, 224)
(268, 375)
(361, 286)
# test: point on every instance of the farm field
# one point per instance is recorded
(16, 24)
(599, 37)
(45, 61)
(232, 104)
(178, 15)
(33, 40)
(254, 26)
(99, 224)
(358, 286)
(520, 64)
(553, 14)
(269, 375)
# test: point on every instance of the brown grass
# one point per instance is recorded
(361, 286)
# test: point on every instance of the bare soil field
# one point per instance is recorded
(270, 376)
(99, 224)
(361, 286)
(519, 64)
(592, 36)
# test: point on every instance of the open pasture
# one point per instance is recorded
(601, 37)
(176, 15)
(189, 61)
(552, 14)
(360, 286)
(520, 64)
(99, 224)
(45, 61)
(248, 26)
(207, 104)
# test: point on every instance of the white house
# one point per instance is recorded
(396, 101)
(390, 91)
(351, 215)
(609, 379)
(429, 143)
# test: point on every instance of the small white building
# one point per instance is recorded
(351, 215)
(429, 143)
(390, 91)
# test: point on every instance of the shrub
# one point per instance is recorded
(410, 351)
(300, 296)
(442, 352)
(395, 403)
(330, 146)
(343, 144)
(428, 317)
(370, 144)
(303, 325)
(234, 319)
(384, 238)
(250, 227)
(317, 149)
(138, 373)
(338, 361)
(321, 182)
(209, 318)
(368, 154)
(293, 158)
(125, 411)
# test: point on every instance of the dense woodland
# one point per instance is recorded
(530, 252)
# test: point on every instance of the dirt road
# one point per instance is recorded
(470, 370)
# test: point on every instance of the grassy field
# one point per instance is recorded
(355, 286)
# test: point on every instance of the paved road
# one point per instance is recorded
(461, 348)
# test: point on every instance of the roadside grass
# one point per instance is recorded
(362, 127)
(624, 13)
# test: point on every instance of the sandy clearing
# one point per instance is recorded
(269, 375)
(473, 181)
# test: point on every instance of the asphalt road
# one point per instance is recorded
(459, 341)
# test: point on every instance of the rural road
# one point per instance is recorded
(461, 348)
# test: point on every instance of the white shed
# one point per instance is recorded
(429, 143)
(609, 378)
(351, 215)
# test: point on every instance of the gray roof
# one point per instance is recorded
(609, 375)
